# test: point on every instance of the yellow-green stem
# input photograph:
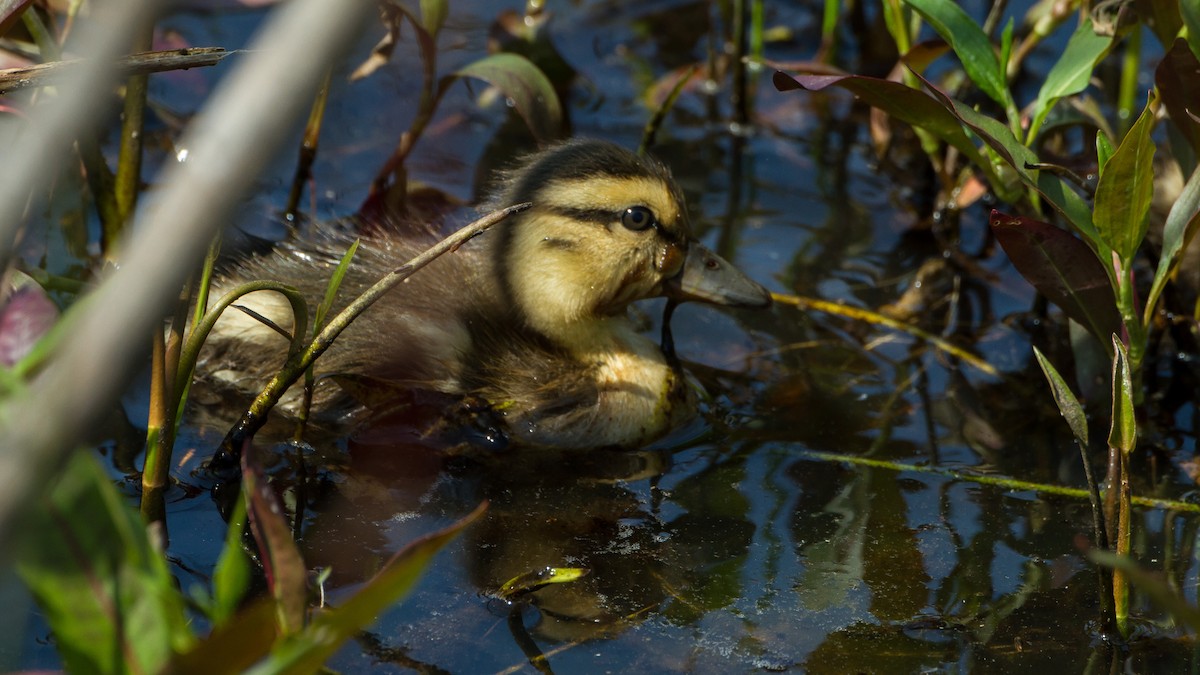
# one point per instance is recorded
(155, 469)
(1133, 321)
(1127, 93)
(1124, 536)
(129, 162)
(308, 148)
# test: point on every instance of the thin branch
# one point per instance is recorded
(57, 72)
(253, 419)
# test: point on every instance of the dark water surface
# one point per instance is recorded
(734, 545)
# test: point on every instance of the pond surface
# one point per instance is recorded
(745, 542)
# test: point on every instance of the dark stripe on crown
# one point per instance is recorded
(580, 160)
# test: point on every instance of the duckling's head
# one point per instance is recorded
(607, 228)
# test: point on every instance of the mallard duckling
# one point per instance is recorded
(531, 317)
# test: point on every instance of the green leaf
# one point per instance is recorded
(1152, 585)
(1179, 229)
(1189, 10)
(231, 576)
(305, 652)
(104, 589)
(902, 102)
(524, 84)
(1123, 433)
(1062, 268)
(1006, 42)
(331, 289)
(1125, 190)
(1000, 138)
(1068, 405)
(1071, 73)
(433, 15)
(970, 43)
(526, 583)
(1104, 149)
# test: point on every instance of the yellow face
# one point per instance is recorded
(593, 244)
(606, 228)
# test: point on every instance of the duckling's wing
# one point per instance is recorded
(539, 389)
(414, 333)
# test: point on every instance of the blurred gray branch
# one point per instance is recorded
(229, 143)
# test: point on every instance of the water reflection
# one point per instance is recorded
(736, 549)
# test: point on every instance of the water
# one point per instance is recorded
(734, 545)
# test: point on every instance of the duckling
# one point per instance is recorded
(531, 317)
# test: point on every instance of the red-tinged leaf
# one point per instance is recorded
(1062, 268)
(525, 85)
(1178, 81)
(1126, 188)
(306, 652)
(898, 100)
(284, 567)
(1161, 17)
(26, 315)
(10, 13)
(234, 646)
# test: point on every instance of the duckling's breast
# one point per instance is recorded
(615, 390)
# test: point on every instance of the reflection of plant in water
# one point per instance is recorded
(1090, 274)
(141, 614)
(950, 573)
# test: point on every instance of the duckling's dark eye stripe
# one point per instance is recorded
(598, 216)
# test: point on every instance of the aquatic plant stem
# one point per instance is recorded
(866, 315)
(650, 131)
(308, 149)
(1128, 86)
(1104, 577)
(163, 417)
(129, 162)
(993, 481)
(254, 417)
(156, 423)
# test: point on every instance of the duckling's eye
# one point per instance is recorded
(637, 218)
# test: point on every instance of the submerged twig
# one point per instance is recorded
(866, 315)
(993, 481)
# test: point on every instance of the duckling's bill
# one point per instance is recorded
(707, 277)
